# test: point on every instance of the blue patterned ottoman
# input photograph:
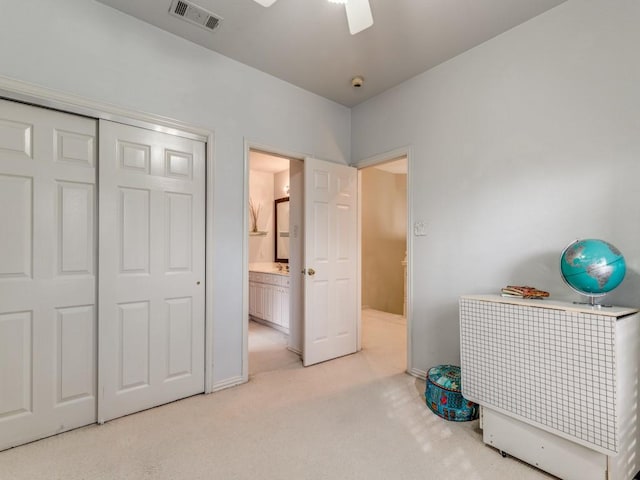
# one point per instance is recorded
(443, 395)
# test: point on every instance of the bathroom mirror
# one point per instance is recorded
(282, 230)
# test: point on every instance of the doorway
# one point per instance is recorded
(270, 255)
(323, 292)
(383, 246)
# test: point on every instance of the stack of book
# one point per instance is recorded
(522, 291)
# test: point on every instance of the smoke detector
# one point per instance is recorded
(357, 81)
(194, 14)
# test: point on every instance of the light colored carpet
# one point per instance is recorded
(357, 417)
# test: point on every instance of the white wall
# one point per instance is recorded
(519, 147)
(280, 181)
(85, 48)
(261, 194)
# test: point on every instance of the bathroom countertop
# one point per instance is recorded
(268, 267)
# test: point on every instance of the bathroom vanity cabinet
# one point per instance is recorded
(269, 299)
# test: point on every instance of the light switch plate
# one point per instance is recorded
(419, 229)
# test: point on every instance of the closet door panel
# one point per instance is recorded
(47, 272)
(152, 217)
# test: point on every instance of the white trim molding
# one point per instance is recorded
(44, 97)
(416, 372)
(227, 383)
(295, 350)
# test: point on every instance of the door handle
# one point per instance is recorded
(310, 271)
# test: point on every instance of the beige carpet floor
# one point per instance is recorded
(357, 417)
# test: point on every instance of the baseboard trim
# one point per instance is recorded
(269, 324)
(295, 350)
(422, 374)
(228, 383)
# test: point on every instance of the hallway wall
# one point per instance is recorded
(384, 231)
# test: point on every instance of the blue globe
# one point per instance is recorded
(592, 267)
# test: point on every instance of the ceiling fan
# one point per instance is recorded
(359, 14)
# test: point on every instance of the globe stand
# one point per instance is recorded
(592, 301)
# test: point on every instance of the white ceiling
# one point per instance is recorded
(307, 42)
(395, 166)
(266, 162)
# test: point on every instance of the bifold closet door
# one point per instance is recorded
(47, 273)
(151, 269)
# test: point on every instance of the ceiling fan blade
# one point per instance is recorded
(265, 3)
(359, 15)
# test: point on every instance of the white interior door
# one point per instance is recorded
(47, 273)
(152, 220)
(330, 252)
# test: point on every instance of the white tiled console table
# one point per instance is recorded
(558, 383)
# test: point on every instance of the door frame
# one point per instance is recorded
(24, 92)
(371, 162)
(248, 146)
(367, 162)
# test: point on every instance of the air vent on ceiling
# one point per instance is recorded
(194, 14)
